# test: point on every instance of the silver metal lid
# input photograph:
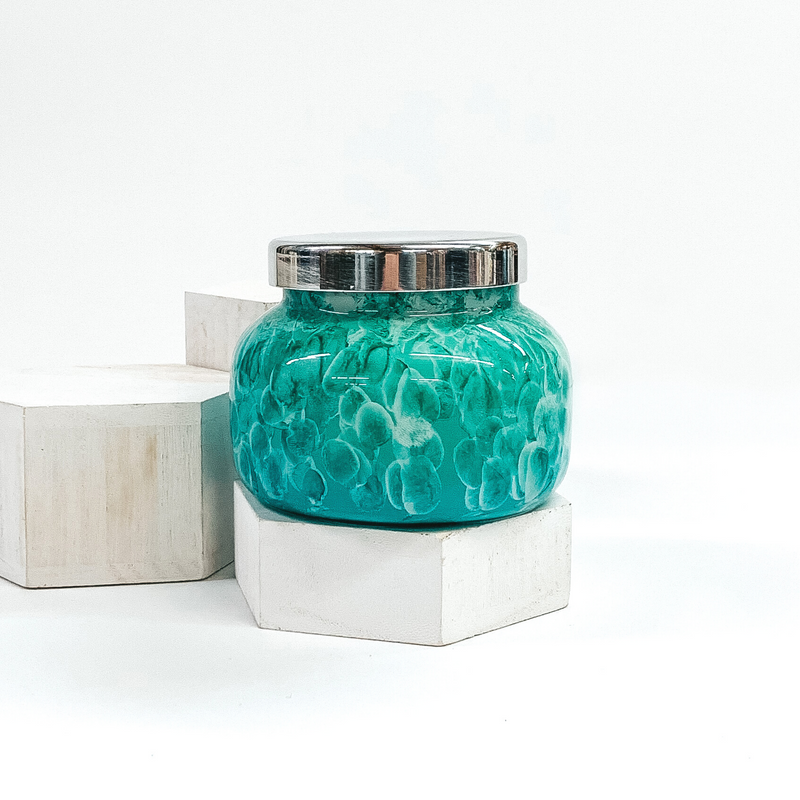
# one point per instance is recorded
(408, 261)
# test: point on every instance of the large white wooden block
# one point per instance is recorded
(432, 586)
(115, 475)
(217, 318)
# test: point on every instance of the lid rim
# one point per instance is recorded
(418, 261)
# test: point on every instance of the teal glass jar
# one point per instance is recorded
(401, 382)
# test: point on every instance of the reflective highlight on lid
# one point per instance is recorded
(398, 262)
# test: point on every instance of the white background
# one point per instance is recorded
(649, 153)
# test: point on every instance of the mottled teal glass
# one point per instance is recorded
(409, 408)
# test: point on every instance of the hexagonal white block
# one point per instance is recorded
(115, 475)
(217, 318)
(432, 586)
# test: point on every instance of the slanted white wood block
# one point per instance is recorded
(115, 475)
(217, 318)
(432, 586)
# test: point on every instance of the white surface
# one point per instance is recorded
(648, 151)
(115, 476)
(677, 656)
(257, 291)
(216, 321)
(130, 384)
(402, 585)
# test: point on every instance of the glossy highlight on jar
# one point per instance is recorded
(401, 406)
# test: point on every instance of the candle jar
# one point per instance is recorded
(401, 382)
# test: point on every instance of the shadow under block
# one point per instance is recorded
(430, 587)
(216, 321)
(115, 475)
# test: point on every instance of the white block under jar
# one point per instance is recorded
(433, 587)
(115, 475)
(216, 318)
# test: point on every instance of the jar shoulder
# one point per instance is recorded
(260, 334)
(533, 328)
(518, 328)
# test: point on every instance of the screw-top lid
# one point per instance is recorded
(409, 261)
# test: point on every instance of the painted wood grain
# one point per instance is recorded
(118, 493)
(433, 586)
(214, 324)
